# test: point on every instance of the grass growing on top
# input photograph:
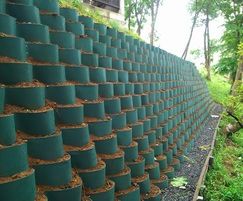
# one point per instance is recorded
(224, 182)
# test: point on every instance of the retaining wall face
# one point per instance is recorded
(120, 112)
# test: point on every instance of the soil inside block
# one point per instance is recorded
(7, 127)
(70, 191)
(48, 172)
(36, 122)
(137, 166)
(132, 193)
(153, 195)
(83, 157)
(49, 147)
(114, 162)
(94, 177)
(19, 187)
(106, 144)
(143, 182)
(75, 135)
(14, 159)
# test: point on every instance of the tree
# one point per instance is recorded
(136, 13)
(230, 58)
(154, 8)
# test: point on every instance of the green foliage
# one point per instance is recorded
(224, 180)
(179, 182)
(97, 17)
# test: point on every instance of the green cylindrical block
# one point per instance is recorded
(112, 105)
(107, 193)
(84, 159)
(2, 98)
(118, 120)
(70, 14)
(106, 90)
(12, 73)
(151, 136)
(49, 74)
(46, 148)
(105, 62)
(111, 75)
(125, 45)
(21, 188)
(143, 182)
(176, 164)
(99, 48)
(149, 156)
(138, 88)
(170, 172)
(48, 6)
(14, 159)
(162, 160)
(129, 88)
(62, 39)
(75, 27)
(70, 56)
(36, 123)
(169, 155)
(146, 125)
(131, 116)
(137, 167)
(69, 114)
(121, 35)
(97, 75)
(137, 129)
(87, 91)
(24, 13)
(122, 54)
(111, 52)
(105, 39)
(126, 102)
(92, 34)
(55, 22)
(49, 173)
(3, 6)
(43, 52)
(154, 171)
(101, 28)
(94, 109)
(131, 151)
(158, 148)
(13, 47)
(162, 183)
(112, 32)
(7, 23)
(114, 163)
(143, 143)
(123, 77)
(7, 127)
(33, 32)
(77, 73)
(124, 137)
(75, 135)
(90, 59)
(116, 43)
(32, 97)
(141, 113)
(94, 178)
(62, 94)
(100, 128)
(87, 21)
(106, 144)
(122, 179)
(119, 89)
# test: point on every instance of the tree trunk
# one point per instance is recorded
(238, 77)
(207, 52)
(154, 13)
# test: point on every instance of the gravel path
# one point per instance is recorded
(194, 161)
